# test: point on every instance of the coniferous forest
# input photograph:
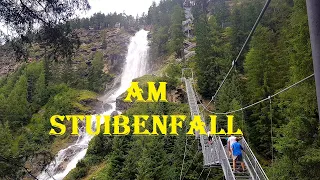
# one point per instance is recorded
(62, 65)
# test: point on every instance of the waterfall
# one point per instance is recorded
(136, 65)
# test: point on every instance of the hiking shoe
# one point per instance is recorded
(235, 171)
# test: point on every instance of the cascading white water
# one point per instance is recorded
(136, 65)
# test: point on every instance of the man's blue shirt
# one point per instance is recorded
(236, 149)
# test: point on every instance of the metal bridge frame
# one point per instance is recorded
(215, 154)
(187, 69)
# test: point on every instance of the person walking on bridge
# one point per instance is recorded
(209, 137)
(237, 154)
(231, 140)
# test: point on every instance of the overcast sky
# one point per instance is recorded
(130, 7)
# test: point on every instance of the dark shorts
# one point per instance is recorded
(238, 158)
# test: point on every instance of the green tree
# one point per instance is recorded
(206, 64)
(298, 137)
(18, 111)
(41, 96)
(176, 35)
(8, 152)
(49, 15)
(96, 77)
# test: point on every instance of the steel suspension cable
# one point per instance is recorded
(258, 102)
(208, 174)
(198, 99)
(184, 157)
(243, 46)
(200, 174)
(195, 155)
(271, 134)
(245, 130)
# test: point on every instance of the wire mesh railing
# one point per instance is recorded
(207, 148)
(223, 159)
(214, 152)
(252, 163)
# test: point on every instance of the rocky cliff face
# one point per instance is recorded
(8, 62)
(111, 42)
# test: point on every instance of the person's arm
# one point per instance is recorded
(242, 148)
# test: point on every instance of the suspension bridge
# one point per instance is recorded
(215, 154)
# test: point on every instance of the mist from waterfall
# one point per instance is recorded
(135, 66)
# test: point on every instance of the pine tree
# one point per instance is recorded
(207, 66)
(96, 76)
(176, 35)
(298, 138)
(40, 97)
(18, 110)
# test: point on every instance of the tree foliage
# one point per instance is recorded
(166, 35)
(279, 54)
(23, 17)
(100, 21)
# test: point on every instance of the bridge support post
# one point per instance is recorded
(313, 8)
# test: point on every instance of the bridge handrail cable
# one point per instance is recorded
(253, 163)
(255, 103)
(223, 158)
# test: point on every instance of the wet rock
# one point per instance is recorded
(116, 82)
(106, 107)
(69, 154)
(97, 107)
(177, 95)
(114, 113)
(36, 164)
(121, 105)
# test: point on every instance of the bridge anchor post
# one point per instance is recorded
(313, 8)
